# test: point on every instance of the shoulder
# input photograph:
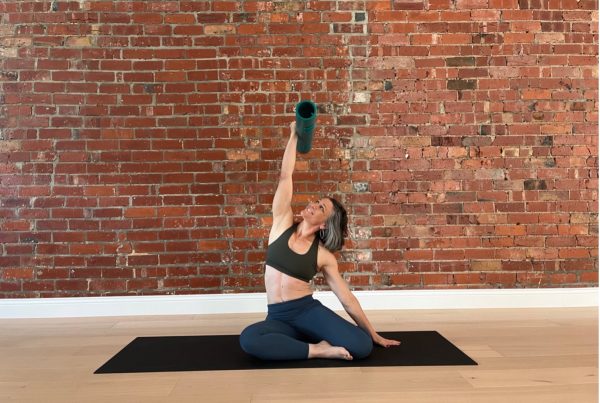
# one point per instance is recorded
(328, 265)
(325, 259)
(279, 227)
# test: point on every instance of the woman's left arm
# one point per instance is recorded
(351, 305)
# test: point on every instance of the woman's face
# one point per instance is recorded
(317, 212)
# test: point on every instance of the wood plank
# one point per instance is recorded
(531, 377)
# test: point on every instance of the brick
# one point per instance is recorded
(180, 19)
(78, 41)
(405, 279)
(460, 61)
(486, 265)
(554, 37)
(534, 184)
(518, 38)
(536, 94)
(471, 4)
(16, 274)
(462, 85)
(220, 29)
(505, 279)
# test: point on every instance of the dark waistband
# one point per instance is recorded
(290, 305)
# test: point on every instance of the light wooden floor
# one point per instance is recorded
(527, 355)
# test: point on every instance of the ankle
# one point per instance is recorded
(313, 350)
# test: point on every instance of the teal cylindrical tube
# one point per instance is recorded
(306, 120)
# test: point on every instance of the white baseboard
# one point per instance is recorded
(256, 302)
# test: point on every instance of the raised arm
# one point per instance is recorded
(282, 202)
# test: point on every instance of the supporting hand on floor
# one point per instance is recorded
(385, 342)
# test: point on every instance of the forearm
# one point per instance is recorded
(358, 315)
(289, 156)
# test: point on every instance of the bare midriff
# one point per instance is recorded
(281, 287)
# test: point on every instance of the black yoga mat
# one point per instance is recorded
(218, 353)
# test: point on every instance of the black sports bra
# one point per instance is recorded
(282, 258)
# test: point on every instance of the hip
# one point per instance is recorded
(292, 309)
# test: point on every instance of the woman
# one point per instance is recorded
(298, 326)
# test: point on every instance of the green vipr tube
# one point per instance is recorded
(306, 120)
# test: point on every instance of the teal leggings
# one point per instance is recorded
(291, 325)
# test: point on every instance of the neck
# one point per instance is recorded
(305, 230)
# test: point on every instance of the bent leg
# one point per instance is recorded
(321, 323)
(273, 340)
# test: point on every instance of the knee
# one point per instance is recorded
(248, 339)
(361, 346)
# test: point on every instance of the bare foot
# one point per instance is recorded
(326, 350)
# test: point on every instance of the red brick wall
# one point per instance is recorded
(140, 141)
